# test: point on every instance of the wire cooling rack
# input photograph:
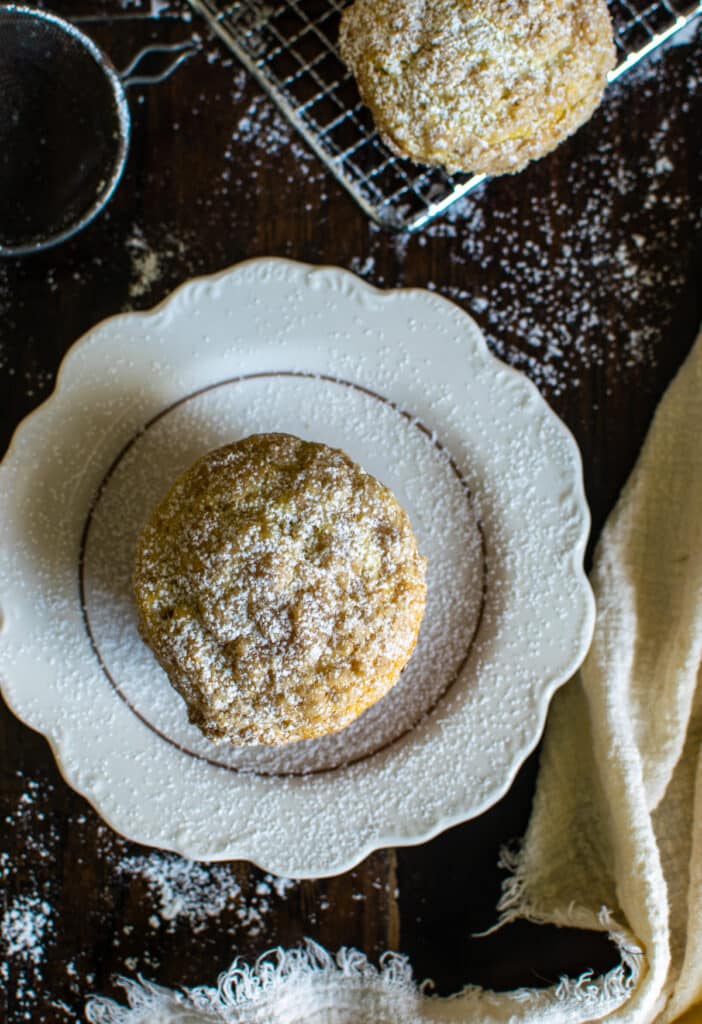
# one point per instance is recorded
(289, 46)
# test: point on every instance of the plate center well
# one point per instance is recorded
(384, 440)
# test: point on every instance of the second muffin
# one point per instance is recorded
(478, 85)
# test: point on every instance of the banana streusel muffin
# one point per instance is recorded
(280, 587)
(478, 85)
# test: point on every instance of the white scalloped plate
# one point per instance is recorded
(404, 382)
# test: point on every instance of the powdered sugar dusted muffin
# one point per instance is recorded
(478, 85)
(280, 587)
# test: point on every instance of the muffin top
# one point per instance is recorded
(280, 587)
(478, 85)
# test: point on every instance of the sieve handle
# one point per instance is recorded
(184, 50)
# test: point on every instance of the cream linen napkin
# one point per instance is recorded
(615, 838)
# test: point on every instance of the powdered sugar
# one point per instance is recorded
(190, 893)
(148, 261)
(23, 928)
(146, 265)
(265, 133)
(182, 889)
(27, 916)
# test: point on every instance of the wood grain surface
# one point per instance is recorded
(584, 271)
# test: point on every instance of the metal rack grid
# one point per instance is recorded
(289, 46)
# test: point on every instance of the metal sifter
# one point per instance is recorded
(64, 126)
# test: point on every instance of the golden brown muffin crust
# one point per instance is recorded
(478, 85)
(281, 589)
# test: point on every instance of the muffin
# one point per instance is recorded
(478, 85)
(281, 589)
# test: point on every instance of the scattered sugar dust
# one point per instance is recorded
(23, 927)
(154, 263)
(189, 892)
(27, 915)
(146, 264)
(267, 135)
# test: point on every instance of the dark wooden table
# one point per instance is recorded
(585, 271)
